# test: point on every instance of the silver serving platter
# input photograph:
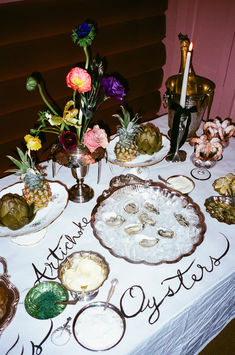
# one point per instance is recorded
(173, 229)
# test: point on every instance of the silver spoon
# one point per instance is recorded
(61, 335)
(114, 282)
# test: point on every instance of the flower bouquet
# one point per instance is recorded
(90, 89)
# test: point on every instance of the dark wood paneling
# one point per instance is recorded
(36, 36)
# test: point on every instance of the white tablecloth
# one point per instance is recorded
(202, 299)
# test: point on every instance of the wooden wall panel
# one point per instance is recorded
(35, 35)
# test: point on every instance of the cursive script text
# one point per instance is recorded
(59, 252)
(135, 294)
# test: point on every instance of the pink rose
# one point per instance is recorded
(94, 138)
(79, 79)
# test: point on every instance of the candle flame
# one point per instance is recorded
(190, 47)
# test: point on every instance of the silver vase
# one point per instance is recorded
(78, 160)
(80, 192)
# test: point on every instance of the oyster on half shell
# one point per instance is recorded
(151, 208)
(146, 218)
(131, 208)
(114, 220)
(147, 242)
(166, 233)
(181, 220)
(134, 228)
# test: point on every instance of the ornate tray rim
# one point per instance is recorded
(42, 227)
(15, 296)
(124, 180)
(137, 165)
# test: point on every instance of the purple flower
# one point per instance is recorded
(83, 30)
(68, 140)
(113, 88)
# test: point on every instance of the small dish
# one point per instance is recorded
(98, 328)
(9, 298)
(41, 300)
(225, 185)
(221, 208)
(83, 273)
(181, 183)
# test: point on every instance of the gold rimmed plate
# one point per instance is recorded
(142, 160)
(44, 216)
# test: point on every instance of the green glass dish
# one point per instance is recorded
(40, 301)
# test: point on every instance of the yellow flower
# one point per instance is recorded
(33, 143)
(69, 115)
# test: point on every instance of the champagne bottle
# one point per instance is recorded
(200, 91)
(192, 82)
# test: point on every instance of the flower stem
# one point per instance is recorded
(45, 100)
(87, 57)
(50, 130)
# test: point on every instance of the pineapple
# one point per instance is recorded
(36, 189)
(126, 148)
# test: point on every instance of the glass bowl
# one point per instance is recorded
(98, 328)
(83, 273)
(41, 300)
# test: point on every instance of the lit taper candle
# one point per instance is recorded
(185, 77)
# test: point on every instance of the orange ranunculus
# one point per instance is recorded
(79, 79)
(94, 138)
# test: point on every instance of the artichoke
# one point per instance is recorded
(149, 140)
(15, 213)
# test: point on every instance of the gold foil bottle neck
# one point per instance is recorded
(196, 84)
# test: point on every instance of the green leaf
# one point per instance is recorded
(15, 161)
(21, 154)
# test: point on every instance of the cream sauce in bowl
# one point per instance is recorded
(181, 183)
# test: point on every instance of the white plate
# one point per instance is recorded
(141, 160)
(44, 216)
